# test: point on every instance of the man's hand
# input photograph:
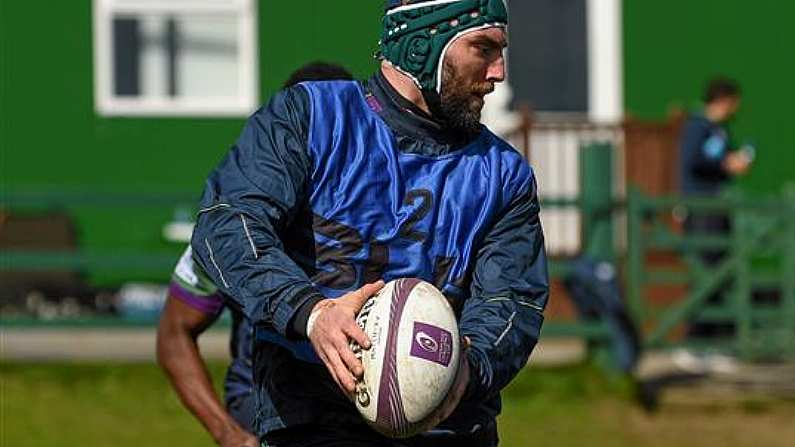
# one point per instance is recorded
(332, 324)
(737, 163)
(237, 437)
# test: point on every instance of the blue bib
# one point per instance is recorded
(379, 213)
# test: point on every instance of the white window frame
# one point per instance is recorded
(106, 103)
(605, 65)
(605, 61)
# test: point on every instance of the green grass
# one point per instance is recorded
(93, 405)
(132, 405)
(556, 407)
(580, 407)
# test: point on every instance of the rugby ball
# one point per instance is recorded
(413, 359)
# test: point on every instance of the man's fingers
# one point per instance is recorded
(328, 355)
(343, 375)
(323, 353)
(329, 365)
(251, 441)
(331, 371)
(333, 375)
(351, 362)
(356, 333)
(334, 328)
(359, 297)
(372, 288)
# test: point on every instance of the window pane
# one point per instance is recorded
(548, 58)
(126, 56)
(207, 56)
(185, 56)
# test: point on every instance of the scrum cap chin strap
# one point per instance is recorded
(416, 36)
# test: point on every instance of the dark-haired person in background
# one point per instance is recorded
(708, 162)
(193, 305)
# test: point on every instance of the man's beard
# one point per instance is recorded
(457, 107)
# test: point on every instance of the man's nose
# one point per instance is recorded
(496, 70)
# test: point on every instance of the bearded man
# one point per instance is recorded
(334, 187)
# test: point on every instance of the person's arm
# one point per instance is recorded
(178, 355)
(249, 199)
(709, 156)
(248, 202)
(510, 286)
(703, 156)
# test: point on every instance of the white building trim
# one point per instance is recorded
(605, 61)
(108, 104)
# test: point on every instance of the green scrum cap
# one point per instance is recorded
(416, 35)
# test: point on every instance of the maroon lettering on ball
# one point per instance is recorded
(431, 343)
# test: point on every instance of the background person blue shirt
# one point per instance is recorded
(707, 160)
(707, 163)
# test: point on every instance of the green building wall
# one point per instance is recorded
(52, 136)
(671, 48)
(52, 139)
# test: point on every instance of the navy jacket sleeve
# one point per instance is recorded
(248, 200)
(704, 152)
(509, 291)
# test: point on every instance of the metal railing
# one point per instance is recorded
(554, 146)
(760, 254)
(116, 207)
(756, 253)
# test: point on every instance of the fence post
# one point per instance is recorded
(635, 255)
(738, 298)
(596, 193)
(788, 269)
(596, 205)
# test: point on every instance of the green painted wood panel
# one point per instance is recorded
(671, 48)
(51, 138)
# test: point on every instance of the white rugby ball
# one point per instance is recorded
(413, 360)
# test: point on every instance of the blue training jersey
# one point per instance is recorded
(395, 215)
(703, 148)
(379, 213)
